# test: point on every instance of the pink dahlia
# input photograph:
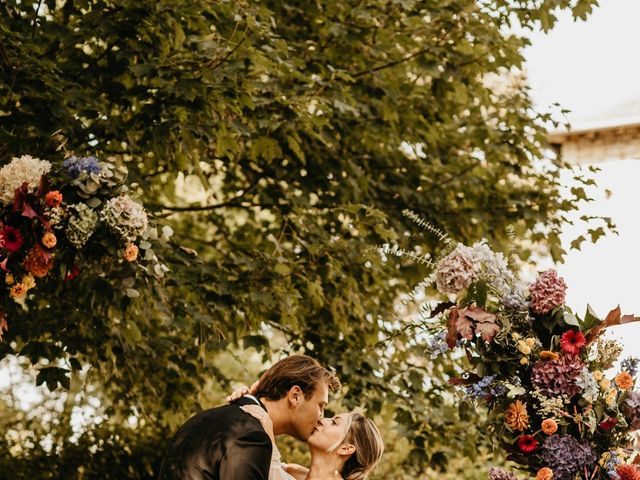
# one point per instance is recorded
(572, 342)
(548, 292)
(11, 239)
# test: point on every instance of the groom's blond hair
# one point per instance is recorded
(295, 370)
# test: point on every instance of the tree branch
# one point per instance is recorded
(391, 64)
(232, 202)
(229, 53)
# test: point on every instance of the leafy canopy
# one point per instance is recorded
(281, 140)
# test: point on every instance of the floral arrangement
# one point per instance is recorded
(58, 220)
(542, 371)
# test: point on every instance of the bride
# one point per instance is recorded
(345, 447)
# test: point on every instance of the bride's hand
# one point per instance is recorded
(262, 415)
(240, 392)
(297, 471)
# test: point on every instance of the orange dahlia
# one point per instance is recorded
(549, 426)
(131, 253)
(628, 472)
(18, 291)
(53, 198)
(548, 355)
(544, 474)
(49, 240)
(38, 262)
(517, 417)
(624, 381)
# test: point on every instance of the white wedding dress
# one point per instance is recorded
(276, 471)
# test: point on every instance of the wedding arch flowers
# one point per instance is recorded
(60, 219)
(542, 371)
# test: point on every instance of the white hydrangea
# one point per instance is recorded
(20, 170)
(465, 265)
(82, 224)
(588, 384)
(125, 217)
(493, 267)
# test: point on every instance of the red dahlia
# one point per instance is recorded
(527, 444)
(608, 424)
(11, 238)
(572, 341)
(628, 472)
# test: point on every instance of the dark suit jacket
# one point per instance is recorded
(221, 443)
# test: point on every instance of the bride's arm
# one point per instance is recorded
(296, 471)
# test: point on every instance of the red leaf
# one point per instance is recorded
(614, 317)
(452, 331)
(488, 330)
(464, 325)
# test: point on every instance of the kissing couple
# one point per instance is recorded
(236, 441)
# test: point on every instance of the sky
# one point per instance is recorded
(589, 67)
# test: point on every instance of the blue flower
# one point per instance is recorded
(630, 365)
(483, 388)
(75, 166)
(437, 345)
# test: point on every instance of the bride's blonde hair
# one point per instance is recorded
(363, 434)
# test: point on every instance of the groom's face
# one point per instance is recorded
(308, 412)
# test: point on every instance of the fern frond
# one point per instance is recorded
(421, 222)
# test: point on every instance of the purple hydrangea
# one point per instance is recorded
(75, 166)
(631, 409)
(566, 455)
(557, 377)
(496, 473)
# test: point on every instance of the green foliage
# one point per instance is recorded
(282, 140)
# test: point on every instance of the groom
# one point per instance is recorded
(225, 443)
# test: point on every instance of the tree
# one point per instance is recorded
(282, 141)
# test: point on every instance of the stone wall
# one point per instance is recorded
(597, 146)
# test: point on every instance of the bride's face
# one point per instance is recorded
(329, 432)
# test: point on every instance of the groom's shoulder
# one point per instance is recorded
(227, 415)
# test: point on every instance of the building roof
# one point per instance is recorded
(623, 115)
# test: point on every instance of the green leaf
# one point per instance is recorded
(570, 319)
(266, 148)
(590, 319)
(282, 269)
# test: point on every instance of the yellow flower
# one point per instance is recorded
(544, 474)
(524, 361)
(530, 342)
(598, 375)
(523, 347)
(517, 417)
(8, 279)
(515, 336)
(549, 426)
(605, 384)
(29, 282)
(611, 397)
(624, 381)
(18, 291)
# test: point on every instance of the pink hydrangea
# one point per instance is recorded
(548, 292)
(456, 271)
